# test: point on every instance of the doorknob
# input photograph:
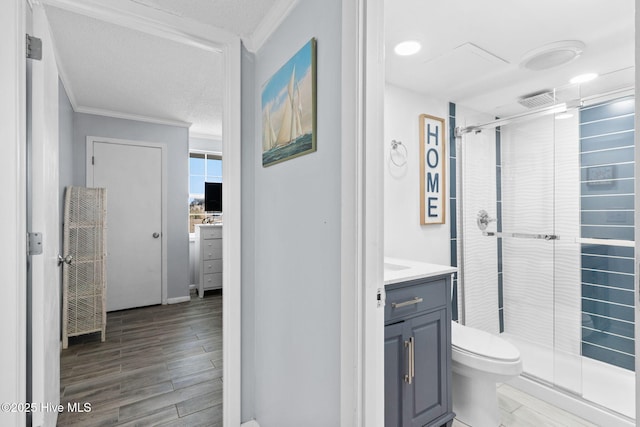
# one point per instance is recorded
(156, 235)
(68, 259)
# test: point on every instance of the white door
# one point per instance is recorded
(45, 219)
(132, 175)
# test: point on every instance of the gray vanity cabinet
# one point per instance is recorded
(418, 353)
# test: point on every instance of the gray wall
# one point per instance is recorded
(65, 158)
(249, 146)
(177, 140)
(295, 276)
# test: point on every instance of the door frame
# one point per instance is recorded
(13, 228)
(362, 215)
(163, 191)
(141, 18)
(637, 214)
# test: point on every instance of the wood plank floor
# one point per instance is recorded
(159, 366)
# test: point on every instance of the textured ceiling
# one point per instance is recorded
(472, 48)
(115, 69)
(237, 16)
(471, 54)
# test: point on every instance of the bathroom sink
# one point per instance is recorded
(394, 267)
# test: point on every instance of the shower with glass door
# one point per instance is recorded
(545, 225)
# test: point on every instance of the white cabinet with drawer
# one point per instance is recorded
(209, 257)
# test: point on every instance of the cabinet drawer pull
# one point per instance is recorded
(416, 300)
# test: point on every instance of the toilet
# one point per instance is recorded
(480, 360)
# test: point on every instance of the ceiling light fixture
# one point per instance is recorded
(406, 48)
(552, 55)
(583, 78)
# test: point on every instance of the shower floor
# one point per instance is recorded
(605, 385)
(518, 408)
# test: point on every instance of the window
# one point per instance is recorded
(203, 167)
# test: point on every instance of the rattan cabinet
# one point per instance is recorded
(84, 263)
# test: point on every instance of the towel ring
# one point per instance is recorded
(394, 148)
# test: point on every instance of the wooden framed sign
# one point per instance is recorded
(432, 170)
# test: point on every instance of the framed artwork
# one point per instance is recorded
(289, 108)
(432, 170)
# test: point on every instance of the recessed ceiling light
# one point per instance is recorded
(406, 48)
(583, 78)
(552, 55)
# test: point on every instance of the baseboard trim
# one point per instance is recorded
(178, 300)
(252, 423)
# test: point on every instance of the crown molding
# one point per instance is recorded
(271, 21)
(127, 116)
(150, 21)
(207, 136)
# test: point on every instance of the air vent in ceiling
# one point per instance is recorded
(538, 99)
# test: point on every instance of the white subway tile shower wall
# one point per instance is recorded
(480, 252)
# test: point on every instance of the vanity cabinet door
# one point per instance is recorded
(426, 398)
(394, 371)
(417, 354)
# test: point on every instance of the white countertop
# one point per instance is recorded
(401, 270)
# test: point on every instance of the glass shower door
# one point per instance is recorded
(540, 256)
(554, 273)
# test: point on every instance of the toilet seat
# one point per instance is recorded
(482, 344)
(483, 351)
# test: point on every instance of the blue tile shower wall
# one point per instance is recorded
(499, 226)
(453, 208)
(607, 212)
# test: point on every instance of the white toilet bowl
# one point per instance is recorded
(480, 360)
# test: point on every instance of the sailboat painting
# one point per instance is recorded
(289, 108)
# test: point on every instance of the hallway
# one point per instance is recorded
(160, 365)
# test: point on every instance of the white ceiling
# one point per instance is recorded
(471, 49)
(240, 17)
(118, 71)
(111, 69)
(471, 54)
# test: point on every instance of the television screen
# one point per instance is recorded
(213, 197)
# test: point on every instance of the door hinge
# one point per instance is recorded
(34, 48)
(381, 297)
(34, 243)
(93, 160)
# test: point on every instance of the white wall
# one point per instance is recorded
(295, 222)
(177, 140)
(404, 237)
